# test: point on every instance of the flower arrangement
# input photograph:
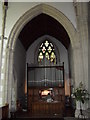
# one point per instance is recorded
(81, 94)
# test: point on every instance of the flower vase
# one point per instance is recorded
(80, 108)
(81, 115)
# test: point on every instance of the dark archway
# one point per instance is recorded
(49, 11)
(43, 25)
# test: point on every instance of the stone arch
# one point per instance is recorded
(29, 15)
(35, 11)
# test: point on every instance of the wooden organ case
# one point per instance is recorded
(46, 95)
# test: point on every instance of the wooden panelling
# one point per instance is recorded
(38, 106)
(4, 111)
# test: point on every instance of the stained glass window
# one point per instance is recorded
(46, 50)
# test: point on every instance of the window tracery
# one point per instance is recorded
(47, 51)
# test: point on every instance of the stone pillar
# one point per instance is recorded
(77, 61)
(5, 83)
(9, 78)
(89, 50)
(82, 29)
(82, 51)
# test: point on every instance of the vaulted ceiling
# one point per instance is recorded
(43, 25)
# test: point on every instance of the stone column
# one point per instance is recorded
(9, 78)
(82, 32)
(88, 110)
(77, 61)
(89, 49)
(82, 28)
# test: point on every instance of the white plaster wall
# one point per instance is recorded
(0, 24)
(17, 9)
(19, 67)
(0, 51)
(0, 18)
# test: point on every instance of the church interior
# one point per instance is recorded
(44, 56)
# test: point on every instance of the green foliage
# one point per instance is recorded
(81, 94)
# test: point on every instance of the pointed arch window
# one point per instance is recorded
(47, 51)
